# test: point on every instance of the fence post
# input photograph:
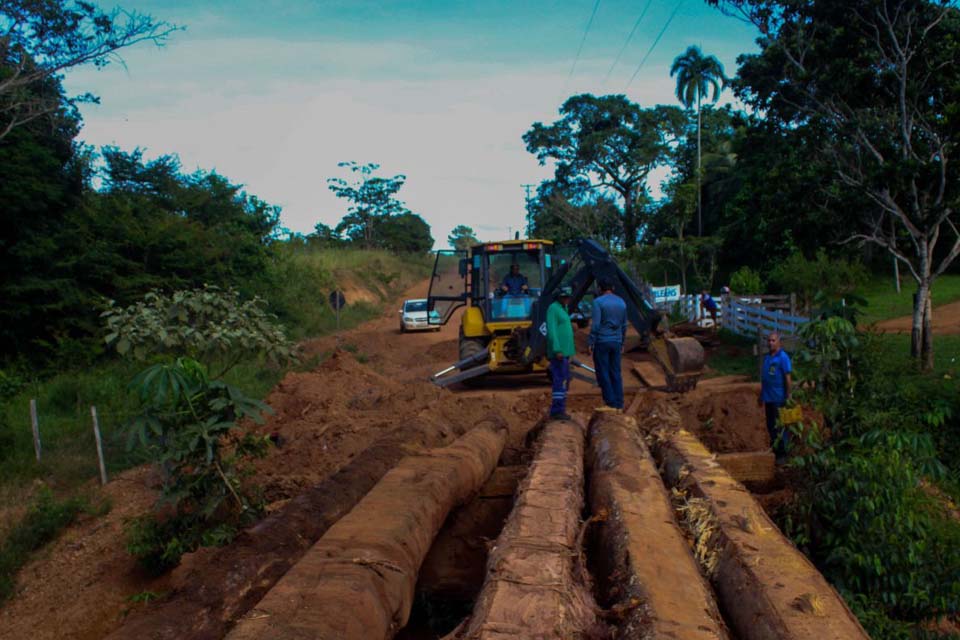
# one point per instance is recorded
(96, 435)
(35, 425)
(793, 304)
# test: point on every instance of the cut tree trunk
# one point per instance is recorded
(534, 588)
(237, 576)
(357, 582)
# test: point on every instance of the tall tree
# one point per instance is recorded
(880, 77)
(461, 237)
(696, 76)
(608, 144)
(372, 199)
(40, 39)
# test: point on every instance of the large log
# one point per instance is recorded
(357, 582)
(218, 592)
(767, 589)
(532, 589)
(643, 561)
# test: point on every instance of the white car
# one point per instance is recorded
(413, 316)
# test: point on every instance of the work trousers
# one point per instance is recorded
(560, 375)
(779, 436)
(606, 360)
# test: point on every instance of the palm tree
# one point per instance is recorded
(696, 76)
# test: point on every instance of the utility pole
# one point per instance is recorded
(527, 188)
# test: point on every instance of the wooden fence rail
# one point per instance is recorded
(747, 316)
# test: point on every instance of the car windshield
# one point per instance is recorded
(415, 305)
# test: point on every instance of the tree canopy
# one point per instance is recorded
(608, 144)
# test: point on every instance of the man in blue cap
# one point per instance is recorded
(560, 348)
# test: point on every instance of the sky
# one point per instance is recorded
(273, 94)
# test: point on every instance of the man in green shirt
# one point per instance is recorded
(560, 348)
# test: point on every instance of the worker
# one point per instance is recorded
(775, 382)
(708, 304)
(515, 283)
(607, 333)
(560, 349)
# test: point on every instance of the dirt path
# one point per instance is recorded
(946, 321)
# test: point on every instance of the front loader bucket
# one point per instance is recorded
(682, 360)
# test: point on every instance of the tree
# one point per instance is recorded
(40, 39)
(883, 86)
(608, 143)
(372, 198)
(403, 233)
(462, 237)
(696, 75)
(563, 215)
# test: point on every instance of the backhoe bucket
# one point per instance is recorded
(682, 360)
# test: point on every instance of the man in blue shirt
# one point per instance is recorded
(708, 304)
(775, 384)
(515, 283)
(607, 333)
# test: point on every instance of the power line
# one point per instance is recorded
(655, 43)
(596, 6)
(629, 38)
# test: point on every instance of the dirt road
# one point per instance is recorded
(343, 427)
(946, 321)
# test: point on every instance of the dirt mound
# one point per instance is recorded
(725, 417)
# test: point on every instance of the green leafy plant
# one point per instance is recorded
(746, 281)
(188, 425)
(210, 324)
(834, 278)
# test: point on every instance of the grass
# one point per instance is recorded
(733, 357)
(885, 302)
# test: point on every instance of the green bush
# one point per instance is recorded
(746, 281)
(832, 277)
(188, 427)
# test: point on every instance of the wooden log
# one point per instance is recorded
(357, 581)
(749, 466)
(532, 589)
(767, 589)
(644, 562)
(236, 577)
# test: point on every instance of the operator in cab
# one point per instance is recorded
(515, 283)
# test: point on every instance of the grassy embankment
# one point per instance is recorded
(297, 289)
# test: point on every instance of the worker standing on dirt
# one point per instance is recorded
(560, 349)
(775, 382)
(607, 333)
(515, 283)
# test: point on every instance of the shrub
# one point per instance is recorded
(188, 426)
(833, 277)
(208, 324)
(746, 281)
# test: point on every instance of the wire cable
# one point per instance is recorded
(655, 43)
(629, 38)
(583, 40)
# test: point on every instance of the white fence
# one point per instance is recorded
(747, 316)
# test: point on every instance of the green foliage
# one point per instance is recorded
(746, 281)
(696, 76)
(44, 38)
(609, 141)
(403, 233)
(46, 517)
(863, 512)
(188, 427)
(462, 237)
(207, 324)
(807, 278)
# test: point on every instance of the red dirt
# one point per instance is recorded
(946, 321)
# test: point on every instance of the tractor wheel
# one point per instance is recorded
(471, 346)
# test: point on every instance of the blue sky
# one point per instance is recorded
(274, 94)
